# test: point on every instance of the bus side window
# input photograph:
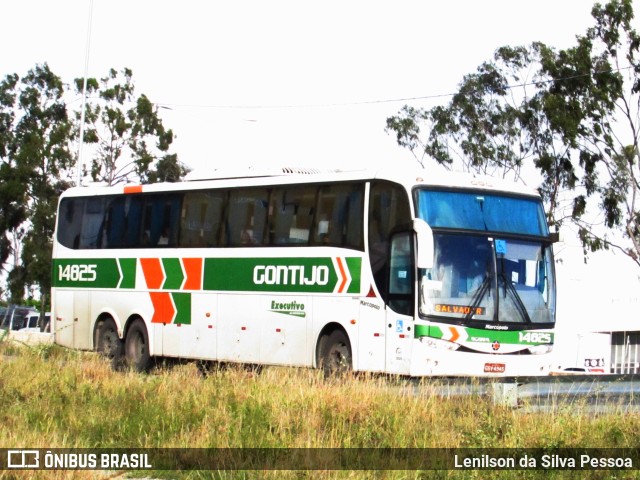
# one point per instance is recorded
(70, 222)
(116, 223)
(355, 218)
(160, 222)
(201, 218)
(401, 276)
(133, 212)
(246, 217)
(93, 223)
(388, 209)
(291, 214)
(339, 219)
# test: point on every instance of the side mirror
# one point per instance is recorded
(425, 243)
(556, 237)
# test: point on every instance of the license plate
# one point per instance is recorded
(494, 367)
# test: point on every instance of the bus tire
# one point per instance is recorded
(108, 343)
(136, 347)
(335, 355)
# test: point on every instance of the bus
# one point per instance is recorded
(389, 271)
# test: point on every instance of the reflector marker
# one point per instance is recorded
(133, 189)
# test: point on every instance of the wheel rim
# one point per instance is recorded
(110, 343)
(338, 358)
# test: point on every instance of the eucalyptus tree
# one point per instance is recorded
(593, 103)
(12, 192)
(35, 161)
(131, 142)
(493, 125)
(477, 131)
(573, 114)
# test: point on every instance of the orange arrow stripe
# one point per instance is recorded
(163, 310)
(153, 273)
(343, 273)
(193, 270)
(455, 335)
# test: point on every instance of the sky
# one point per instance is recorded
(296, 83)
(281, 82)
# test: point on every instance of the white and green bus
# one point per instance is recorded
(395, 272)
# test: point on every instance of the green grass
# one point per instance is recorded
(55, 398)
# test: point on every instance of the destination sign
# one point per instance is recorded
(459, 309)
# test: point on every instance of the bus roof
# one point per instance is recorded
(226, 178)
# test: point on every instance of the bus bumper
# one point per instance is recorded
(426, 361)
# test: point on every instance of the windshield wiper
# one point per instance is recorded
(478, 296)
(508, 286)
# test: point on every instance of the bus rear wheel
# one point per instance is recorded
(108, 343)
(136, 347)
(335, 355)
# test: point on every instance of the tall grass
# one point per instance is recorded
(55, 398)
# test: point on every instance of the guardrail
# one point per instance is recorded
(596, 393)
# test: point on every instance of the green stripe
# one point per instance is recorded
(82, 273)
(354, 265)
(280, 275)
(94, 273)
(508, 337)
(303, 275)
(173, 272)
(128, 267)
(182, 302)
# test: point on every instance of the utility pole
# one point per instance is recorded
(84, 95)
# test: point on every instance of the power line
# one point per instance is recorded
(84, 97)
(171, 106)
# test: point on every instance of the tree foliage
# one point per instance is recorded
(12, 193)
(593, 102)
(573, 114)
(480, 130)
(43, 135)
(132, 142)
(37, 160)
(35, 156)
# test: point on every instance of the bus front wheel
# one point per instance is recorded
(335, 357)
(136, 347)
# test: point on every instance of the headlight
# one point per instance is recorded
(439, 344)
(540, 349)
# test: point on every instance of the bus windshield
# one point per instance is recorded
(481, 211)
(488, 266)
(477, 278)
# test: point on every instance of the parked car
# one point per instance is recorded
(14, 317)
(33, 324)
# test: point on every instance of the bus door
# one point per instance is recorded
(400, 303)
(372, 331)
